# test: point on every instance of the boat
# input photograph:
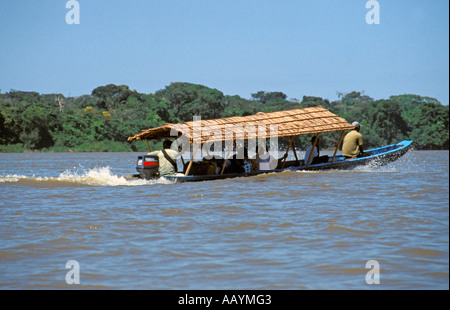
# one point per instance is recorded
(258, 127)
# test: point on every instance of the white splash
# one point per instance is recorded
(11, 178)
(100, 176)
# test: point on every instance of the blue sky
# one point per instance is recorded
(313, 48)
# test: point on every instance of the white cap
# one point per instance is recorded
(356, 124)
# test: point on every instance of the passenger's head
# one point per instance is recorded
(313, 138)
(356, 125)
(167, 144)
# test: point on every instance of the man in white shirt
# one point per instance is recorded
(167, 161)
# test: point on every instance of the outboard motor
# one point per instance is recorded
(148, 166)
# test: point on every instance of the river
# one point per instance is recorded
(369, 228)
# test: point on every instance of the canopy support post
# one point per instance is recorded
(254, 160)
(337, 147)
(297, 162)
(226, 159)
(287, 151)
(195, 148)
(148, 145)
(312, 150)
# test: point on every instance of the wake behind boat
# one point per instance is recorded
(261, 126)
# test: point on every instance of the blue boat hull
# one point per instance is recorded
(378, 156)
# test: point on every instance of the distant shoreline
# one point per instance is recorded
(103, 120)
(142, 151)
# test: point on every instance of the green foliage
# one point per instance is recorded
(271, 102)
(111, 96)
(103, 120)
(311, 101)
(426, 119)
(12, 148)
(186, 100)
(269, 97)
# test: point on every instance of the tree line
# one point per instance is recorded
(103, 120)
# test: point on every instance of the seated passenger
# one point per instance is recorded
(353, 143)
(315, 158)
(239, 164)
(265, 161)
(167, 159)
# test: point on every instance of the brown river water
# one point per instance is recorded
(291, 230)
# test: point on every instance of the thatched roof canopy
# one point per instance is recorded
(260, 125)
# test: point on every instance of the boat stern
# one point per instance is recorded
(148, 166)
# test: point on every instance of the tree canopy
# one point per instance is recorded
(103, 120)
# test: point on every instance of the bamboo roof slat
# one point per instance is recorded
(289, 123)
